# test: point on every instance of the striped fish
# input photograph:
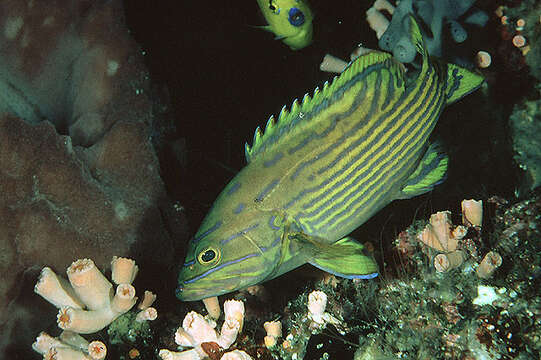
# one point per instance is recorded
(322, 169)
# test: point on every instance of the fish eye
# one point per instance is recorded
(208, 256)
(296, 17)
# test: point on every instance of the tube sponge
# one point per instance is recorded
(404, 51)
(438, 16)
(458, 33)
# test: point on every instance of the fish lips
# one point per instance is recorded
(196, 288)
(192, 288)
(187, 294)
(192, 293)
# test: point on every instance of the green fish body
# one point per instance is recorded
(289, 20)
(321, 170)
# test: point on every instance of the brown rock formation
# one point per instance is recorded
(70, 67)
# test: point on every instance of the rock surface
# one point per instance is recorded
(79, 175)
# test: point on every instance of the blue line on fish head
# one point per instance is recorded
(229, 253)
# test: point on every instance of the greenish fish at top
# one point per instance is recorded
(322, 169)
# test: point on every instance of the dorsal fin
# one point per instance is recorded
(299, 112)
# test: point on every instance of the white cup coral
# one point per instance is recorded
(196, 330)
(88, 302)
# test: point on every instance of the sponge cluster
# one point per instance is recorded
(443, 19)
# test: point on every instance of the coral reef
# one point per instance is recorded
(518, 54)
(332, 64)
(375, 16)
(525, 124)
(486, 306)
(440, 20)
(307, 322)
(461, 314)
(274, 332)
(520, 36)
(453, 245)
(80, 178)
(54, 209)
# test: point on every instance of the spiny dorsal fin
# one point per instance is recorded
(299, 112)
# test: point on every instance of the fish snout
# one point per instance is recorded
(186, 294)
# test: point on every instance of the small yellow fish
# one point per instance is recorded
(289, 20)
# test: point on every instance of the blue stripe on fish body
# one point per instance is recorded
(239, 234)
(274, 160)
(189, 263)
(188, 281)
(239, 208)
(272, 225)
(267, 190)
(200, 236)
(360, 194)
(233, 188)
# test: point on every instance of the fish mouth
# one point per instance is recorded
(190, 293)
(184, 294)
(188, 290)
(197, 287)
(193, 291)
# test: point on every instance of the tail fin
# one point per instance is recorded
(460, 82)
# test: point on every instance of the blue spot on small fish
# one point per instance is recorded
(296, 17)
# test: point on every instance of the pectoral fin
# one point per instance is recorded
(345, 258)
(430, 172)
(263, 27)
(270, 29)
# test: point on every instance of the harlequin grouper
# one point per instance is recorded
(321, 170)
